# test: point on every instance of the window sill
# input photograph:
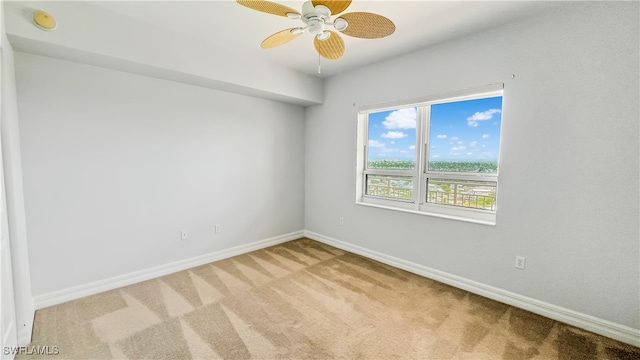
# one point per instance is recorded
(431, 213)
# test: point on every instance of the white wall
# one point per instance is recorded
(116, 164)
(8, 333)
(16, 220)
(568, 193)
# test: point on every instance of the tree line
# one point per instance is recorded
(448, 166)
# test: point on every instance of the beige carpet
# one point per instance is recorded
(305, 300)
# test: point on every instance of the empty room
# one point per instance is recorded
(320, 179)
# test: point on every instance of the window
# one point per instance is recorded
(436, 156)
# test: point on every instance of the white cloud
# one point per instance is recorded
(436, 156)
(458, 148)
(401, 119)
(375, 144)
(469, 153)
(481, 116)
(454, 138)
(394, 135)
(473, 143)
(441, 136)
(412, 147)
(393, 142)
(484, 136)
(460, 142)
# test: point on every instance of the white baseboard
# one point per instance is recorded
(24, 336)
(591, 323)
(25, 322)
(76, 292)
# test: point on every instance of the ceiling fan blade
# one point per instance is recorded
(336, 6)
(279, 38)
(368, 25)
(268, 7)
(331, 48)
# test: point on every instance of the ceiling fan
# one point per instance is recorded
(316, 16)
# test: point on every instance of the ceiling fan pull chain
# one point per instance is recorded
(318, 63)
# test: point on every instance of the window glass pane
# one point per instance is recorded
(464, 136)
(392, 139)
(463, 193)
(394, 187)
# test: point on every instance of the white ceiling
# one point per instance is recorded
(217, 43)
(238, 31)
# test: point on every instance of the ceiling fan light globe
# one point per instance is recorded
(324, 35)
(340, 24)
(293, 16)
(297, 31)
(323, 10)
(315, 27)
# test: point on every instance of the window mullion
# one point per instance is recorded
(389, 172)
(365, 144)
(461, 176)
(422, 128)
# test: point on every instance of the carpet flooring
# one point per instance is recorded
(304, 300)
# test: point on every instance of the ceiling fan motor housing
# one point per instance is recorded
(315, 17)
(315, 26)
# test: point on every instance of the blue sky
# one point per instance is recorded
(460, 131)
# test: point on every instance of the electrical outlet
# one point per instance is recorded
(184, 235)
(217, 229)
(341, 221)
(520, 262)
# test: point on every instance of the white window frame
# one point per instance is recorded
(420, 173)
